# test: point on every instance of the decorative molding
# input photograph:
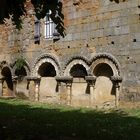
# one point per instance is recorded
(74, 61)
(79, 58)
(109, 59)
(117, 79)
(46, 58)
(27, 67)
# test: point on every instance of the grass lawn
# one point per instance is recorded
(24, 120)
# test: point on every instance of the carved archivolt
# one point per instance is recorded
(88, 64)
(27, 67)
(43, 59)
(74, 61)
(91, 64)
(108, 59)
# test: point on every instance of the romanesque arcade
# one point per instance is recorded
(79, 81)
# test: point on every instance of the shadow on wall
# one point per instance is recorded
(48, 84)
(25, 121)
(21, 86)
(88, 89)
(79, 85)
(9, 82)
(8, 77)
(106, 71)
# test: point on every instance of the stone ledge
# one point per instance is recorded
(64, 78)
(32, 78)
(90, 78)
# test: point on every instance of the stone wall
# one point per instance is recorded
(97, 32)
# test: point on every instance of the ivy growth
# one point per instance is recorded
(20, 63)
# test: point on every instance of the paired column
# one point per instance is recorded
(116, 82)
(91, 82)
(69, 92)
(68, 81)
(33, 84)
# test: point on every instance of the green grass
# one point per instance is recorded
(24, 120)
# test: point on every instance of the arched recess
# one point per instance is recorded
(106, 58)
(47, 67)
(21, 73)
(47, 70)
(76, 62)
(7, 86)
(78, 69)
(103, 67)
(21, 87)
(45, 59)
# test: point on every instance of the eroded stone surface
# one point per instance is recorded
(93, 27)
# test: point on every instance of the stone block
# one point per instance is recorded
(121, 30)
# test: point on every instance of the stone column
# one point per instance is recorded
(68, 81)
(91, 82)
(14, 80)
(116, 82)
(117, 95)
(37, 85)
(1, 85)
(69, 93)
(33, 83)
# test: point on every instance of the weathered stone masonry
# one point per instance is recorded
(96, 63)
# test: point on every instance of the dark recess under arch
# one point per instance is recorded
(47, 70)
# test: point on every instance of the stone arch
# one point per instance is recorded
(47, 66)
(45, 58)
(78, 68)
(98, 70)
(47, 70)
(106, 60)
(26, 69)
(104, 66)
(3, 65)
(81, 61)
(21, 86)
(7, 86)
(6, 71)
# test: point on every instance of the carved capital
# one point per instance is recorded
(116, 79)
(35, 79)
(65, 79)
(90, 80)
